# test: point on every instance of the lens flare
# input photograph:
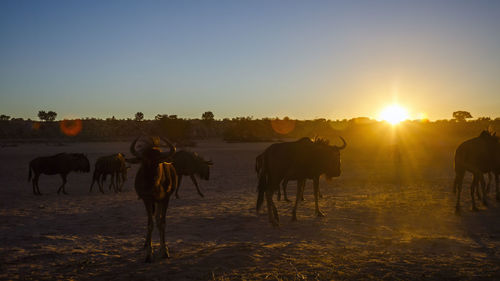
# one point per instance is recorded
(284, 126)
(394, 114)
(71, 127)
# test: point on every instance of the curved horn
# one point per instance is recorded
(343, 146)
(172, 148)
(132, 147)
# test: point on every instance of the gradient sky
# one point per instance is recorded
(302, 59)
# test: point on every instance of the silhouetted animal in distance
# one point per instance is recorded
(188, 163)
(475, 155)
(113, 165)
(302, 159)
(155, 181)
(62, 164)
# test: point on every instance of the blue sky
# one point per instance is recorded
(302, 59)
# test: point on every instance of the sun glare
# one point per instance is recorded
(394, 114)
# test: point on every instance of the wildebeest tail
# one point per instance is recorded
(258, 163)
(261, 187)
(29, 174)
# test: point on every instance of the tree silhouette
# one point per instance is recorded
(4, 117)
(461, 115)
(47, 116)
(139, 116)
(207, 116)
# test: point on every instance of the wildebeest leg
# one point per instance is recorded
(114, 178)
(490, 175)
(196, 184)
(457, 188)
(160, 224)
(474, 184)
(283, 185)
(271, 209)
(483, 189)
(300, 191)
(94, 178)
(147, 245)
(100, 182)
(63, 176)
(36, 188)
(497, 187)
(179, 180)
(316, 195)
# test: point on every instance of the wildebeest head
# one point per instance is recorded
(204, 168)
(80, 162)
(150, 154)
(329, 156)
(489, 137)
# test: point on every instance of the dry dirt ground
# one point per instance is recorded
(377, 225)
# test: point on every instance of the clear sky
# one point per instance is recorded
(302, 59)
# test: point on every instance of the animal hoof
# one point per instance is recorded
(475, 209)
(287, 200)
(319, 214)
(294, 218)
(148, 259)
(457, 211)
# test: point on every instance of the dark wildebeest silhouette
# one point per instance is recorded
(475, 155)
(258, 166)
(155, 181)
(62, 164)
(188, 163)
(495, 172)
(300, 160)
(113, 165)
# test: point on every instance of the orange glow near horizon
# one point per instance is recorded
(394, 114)
(284, 126)
(71, 127)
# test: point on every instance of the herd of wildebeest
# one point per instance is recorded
(160, 173)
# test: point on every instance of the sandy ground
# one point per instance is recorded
(373, 229)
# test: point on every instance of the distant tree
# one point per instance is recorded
(461, 115)
(42, 115)
(51, 116)
(47, 116)
(4, 117)
(139, 116)
(483, 119)
(207, 116)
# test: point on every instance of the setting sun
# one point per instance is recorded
(394, 114)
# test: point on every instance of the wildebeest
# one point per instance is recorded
(188, 163)
(61, 164)
(302, 159)
(258, 167)
(113, 165)
(155, 181)
(475, 155)
(495, 172)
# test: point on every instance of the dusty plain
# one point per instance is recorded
(385, 219)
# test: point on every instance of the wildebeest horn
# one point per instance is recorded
(172, 148)
(132, 147)
(343, 146)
